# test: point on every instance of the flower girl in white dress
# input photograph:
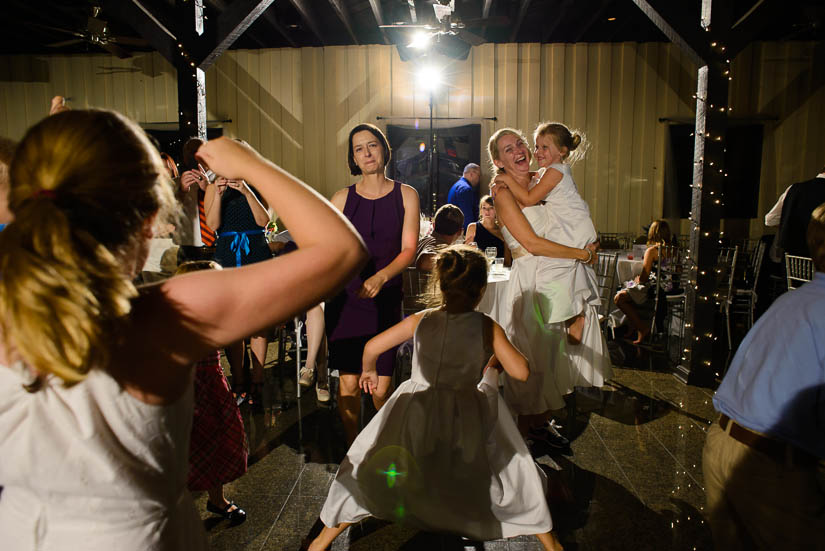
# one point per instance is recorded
(444, 454)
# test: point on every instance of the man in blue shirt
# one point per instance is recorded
(761, 459)
(464, 193)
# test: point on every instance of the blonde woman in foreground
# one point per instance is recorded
(96, 375)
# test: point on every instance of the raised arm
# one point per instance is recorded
(186, 317)
(545, 185)
(212, 203)
(259, 209)
(409, 243)
(513, 219)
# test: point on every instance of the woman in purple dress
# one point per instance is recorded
(386, 215)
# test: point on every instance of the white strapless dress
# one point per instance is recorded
(444, 454)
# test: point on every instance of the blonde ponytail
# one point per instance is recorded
(83, 186)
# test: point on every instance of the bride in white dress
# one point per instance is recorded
(443, 454)
(545, 292)
(568, 290)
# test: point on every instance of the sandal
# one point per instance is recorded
(234, 516)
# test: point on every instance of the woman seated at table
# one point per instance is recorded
(487, 232)
(638, 290)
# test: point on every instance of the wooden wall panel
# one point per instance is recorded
(297, 106)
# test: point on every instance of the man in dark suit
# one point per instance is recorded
(800, 201)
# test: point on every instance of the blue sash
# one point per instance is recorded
(240, 243)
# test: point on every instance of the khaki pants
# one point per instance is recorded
(756, 502)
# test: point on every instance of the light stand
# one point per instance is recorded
(430, 77)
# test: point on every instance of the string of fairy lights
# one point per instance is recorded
(708, 279)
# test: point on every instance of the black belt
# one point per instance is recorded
(776, 450)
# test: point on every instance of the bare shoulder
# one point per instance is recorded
(339, 198)
(408, 192)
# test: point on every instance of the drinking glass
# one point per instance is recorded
(498, 265)
(490, 253)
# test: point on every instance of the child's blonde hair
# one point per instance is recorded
(459, 278)
(562, 136)
(84, 184)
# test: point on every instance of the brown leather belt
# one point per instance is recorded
(776, 450)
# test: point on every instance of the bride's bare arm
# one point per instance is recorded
(514, 220)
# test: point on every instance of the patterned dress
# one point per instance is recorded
(218, 449)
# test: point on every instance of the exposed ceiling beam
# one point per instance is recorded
(485, 12)
(522, 12)
(595, 16)
(762, 14)
(220, 6)
(341, 11)
(413, 15)
(231, 24)
(307, 16)
(563, 14)
(680, 28)
(147, 26)
(379, 17)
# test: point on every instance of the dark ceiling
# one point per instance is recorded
(61, 27)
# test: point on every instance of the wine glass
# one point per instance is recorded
(490, 253)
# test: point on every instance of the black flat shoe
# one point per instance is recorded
(234, 516)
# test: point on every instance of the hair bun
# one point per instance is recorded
(575, 141)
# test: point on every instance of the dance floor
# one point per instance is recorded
(633, 469)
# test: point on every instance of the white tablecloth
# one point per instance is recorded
(627, 269)
(493, 302)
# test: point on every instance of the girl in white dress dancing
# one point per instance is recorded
(443, 454)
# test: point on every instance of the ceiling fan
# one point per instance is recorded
(447, 23)
(97, 34)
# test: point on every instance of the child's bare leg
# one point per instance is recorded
(380, 394)
(575, 329)
(327, 536)
(549, 541)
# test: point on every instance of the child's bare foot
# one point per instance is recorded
(575, 329)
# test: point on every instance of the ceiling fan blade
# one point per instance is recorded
(129, 41)
(492, 21)
(56, 29)
(116, 50)
(406, 26)
(470, 38)
(65, 43)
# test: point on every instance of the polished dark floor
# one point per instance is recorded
(631, 479)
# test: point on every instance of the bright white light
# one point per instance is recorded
(429, 77)
(420, 40)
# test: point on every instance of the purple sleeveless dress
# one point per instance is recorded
(352, 321)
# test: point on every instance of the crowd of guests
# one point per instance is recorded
(104, 433)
